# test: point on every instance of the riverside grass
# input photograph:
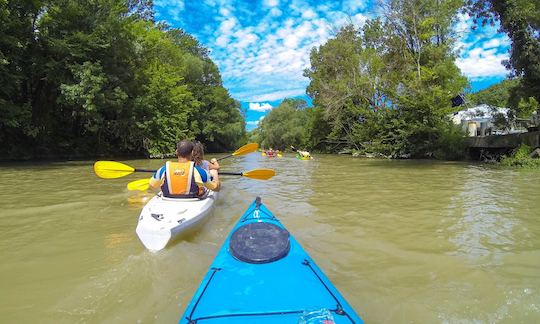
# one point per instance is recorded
(521, 158)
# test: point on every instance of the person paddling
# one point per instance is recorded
(184, 179)
(303, 154)
(198, 158)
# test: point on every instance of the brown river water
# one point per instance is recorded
(404, 241)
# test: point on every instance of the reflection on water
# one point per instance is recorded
(404, 241)
(484, 213)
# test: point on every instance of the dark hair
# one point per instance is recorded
(184, 149)
(198, 153)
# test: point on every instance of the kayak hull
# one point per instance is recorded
(279, 291)
(164, 219)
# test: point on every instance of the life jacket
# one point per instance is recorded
(179, 180)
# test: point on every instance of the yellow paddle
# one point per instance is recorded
(141, 185)
(113, 169)
(258, 174)
(248, 148)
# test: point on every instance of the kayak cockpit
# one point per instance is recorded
(259, 242)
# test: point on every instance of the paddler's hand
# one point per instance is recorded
(214, 165)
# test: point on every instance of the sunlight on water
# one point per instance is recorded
(404, 241)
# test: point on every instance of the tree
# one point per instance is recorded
(496, 95)
(520, 20)
(81, 78)
(387, 88)
(285, 125)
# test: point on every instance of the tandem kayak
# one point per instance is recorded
(162, 219)
(262, 275)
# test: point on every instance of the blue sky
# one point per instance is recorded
(263, 46)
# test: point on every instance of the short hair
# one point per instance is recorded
(184, 149)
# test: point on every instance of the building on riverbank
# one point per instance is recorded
(485, 120)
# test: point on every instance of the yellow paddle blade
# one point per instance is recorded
(112, 169)
(248, 148)
(259, 174)
(141, 185)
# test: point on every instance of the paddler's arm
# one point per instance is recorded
(208, 179)
(213, 165)
(157, 179)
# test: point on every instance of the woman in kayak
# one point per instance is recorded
(198, 158)
(184, 179)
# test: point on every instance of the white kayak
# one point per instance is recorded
(162, 219)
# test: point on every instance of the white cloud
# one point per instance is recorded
(482, 50)
(260, 106)
(271, 3)
(227, 26)
(274, 95)
(309, 14)
(481, 64)
(173, 7)
(353, 5)
(255, 123)
(222, 41)
(263, 59)
(275, 12)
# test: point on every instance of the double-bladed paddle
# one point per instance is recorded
(258, 174)
(113, 169)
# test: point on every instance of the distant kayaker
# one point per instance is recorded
(184, 179)
(198, 158)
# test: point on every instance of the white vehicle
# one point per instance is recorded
(162, 219)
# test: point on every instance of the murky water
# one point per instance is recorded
(404, 241)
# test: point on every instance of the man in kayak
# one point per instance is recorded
(184, 179)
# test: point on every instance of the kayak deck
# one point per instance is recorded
(162, 219)
(284, 290)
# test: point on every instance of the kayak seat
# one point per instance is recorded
(259, 243)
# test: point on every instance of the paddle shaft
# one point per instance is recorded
(220, 173)
(226, 156)
(143, 170)
(231, 173)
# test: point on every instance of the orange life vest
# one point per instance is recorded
(180, 180)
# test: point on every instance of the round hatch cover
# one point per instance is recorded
(259, 243)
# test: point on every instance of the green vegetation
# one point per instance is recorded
(520, 20)
(285, 125)
(384, 89)
(82, 78)
(502, 95)
(496, 95)
(521, 158)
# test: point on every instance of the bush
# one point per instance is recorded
(521, 158)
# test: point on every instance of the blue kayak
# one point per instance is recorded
(262, 275)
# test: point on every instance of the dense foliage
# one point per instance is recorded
(520, 20)
(80, 78)
(521, 157)
(496, 95)
(386, 88)
(285, 125)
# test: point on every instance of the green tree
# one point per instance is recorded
(285, 125)
(387, 88)
(80, 78)
(520, 20)
(496, 95)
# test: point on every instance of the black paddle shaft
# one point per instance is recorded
(220, 173)
(144, 170)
